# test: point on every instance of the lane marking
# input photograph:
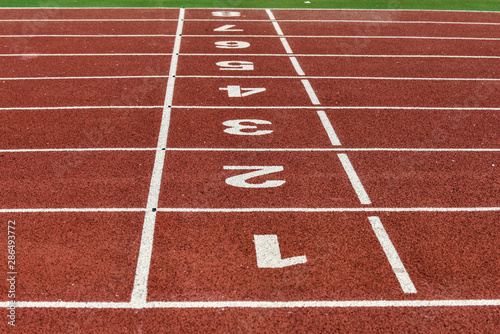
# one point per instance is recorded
(280, 34)
(351, 21)
(90, 77)
(139, 292)
(331, 107)
(34, 55)
(42, 210)
(261, 304)
(392, 255)
(296, 66)
(310, 92)
(257, 9)
(295, 63)
(89, 20)
(353, 177)
(331, 77)
(255, 107)
(67, 36)
(81, 107)
(230, 210)
(340, 55)
(287, 47)
(258, 132)
(334, 139)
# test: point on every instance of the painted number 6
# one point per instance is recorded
(232, 45)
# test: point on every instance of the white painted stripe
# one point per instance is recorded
(256, 149)
(295, 63)
(356, 21)
(310, 92)
(67, 36)
(42, 210)
(280, 33)
(139, 292)
(287, 47)
(35, 55)
(259, 304)
(96, 149)
(334, 107)
(361, 209)
(254, 107)
(259, 9)
(91, 77)
(328, 128)
(392, 255)
(277, 28)
(334, 77)
(296, 66)
(92, 20)
(353, 177)
(314, 149)
(270, 14)
(286, 209)
(341, 55)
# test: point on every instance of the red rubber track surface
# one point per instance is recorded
(122, 164)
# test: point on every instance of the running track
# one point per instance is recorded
(299, 170)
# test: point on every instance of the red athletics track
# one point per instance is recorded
(206, 170)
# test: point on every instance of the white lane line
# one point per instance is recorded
(91, 77)
(334, 139)
(332, 107)
(88, 20)
(280, 33)
(96, 149)
(296, 66)
(281, 209)
(355, 181)
(260, 304)
(392, 255)
(139, 292)
(315, 149)
(310, 92)
(259, 149)
(356, 21)
(42, 210)
(341, 55)
(35, 55)
(254, 107)
(295, 63)
(332, 77)
(79, 107)
(362, 209)
(68, 35)
(287, 47)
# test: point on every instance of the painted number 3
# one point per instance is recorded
(238, 127)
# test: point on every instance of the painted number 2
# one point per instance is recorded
(240, 180)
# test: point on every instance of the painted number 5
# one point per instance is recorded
(240, 181)
(235, 127)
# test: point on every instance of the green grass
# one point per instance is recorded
(489, 5)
